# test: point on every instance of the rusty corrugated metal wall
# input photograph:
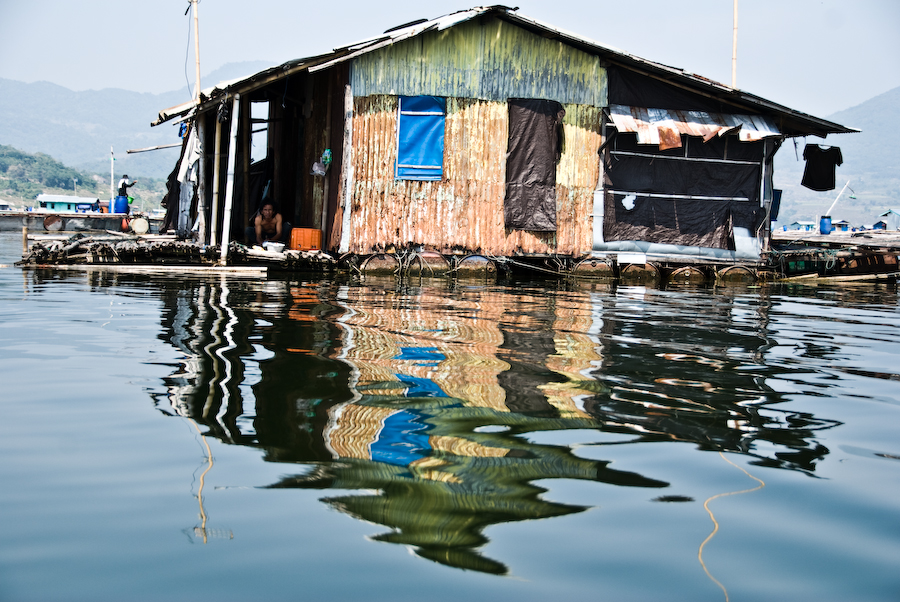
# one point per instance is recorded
(477, 66)
(464, 212)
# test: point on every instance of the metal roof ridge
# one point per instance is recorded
(674, 75)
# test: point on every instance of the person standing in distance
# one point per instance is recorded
(124, 185)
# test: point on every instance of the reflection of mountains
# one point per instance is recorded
(422, 396)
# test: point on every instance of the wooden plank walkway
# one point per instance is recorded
(882, 240)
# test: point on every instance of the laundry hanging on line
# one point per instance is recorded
(820, 166)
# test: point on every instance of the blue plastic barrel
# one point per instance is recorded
(825, 225)
(119, 204)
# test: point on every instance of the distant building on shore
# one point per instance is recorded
(891, 219)
(63, 202)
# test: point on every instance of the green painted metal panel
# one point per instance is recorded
(485, 59)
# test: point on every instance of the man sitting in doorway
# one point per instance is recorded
(268, 225)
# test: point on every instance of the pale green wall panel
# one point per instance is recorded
(485, 59)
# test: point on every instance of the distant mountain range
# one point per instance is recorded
(78, 129)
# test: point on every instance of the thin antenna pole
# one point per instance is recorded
(197, 45)
(112, 177)
(734, 48)
(830, 209)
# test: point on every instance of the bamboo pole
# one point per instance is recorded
(214, 227)
(201, 179)
(326, 188)
(347, 170)
(159, 268)
(197, 46)
(734, 47)
(246, 141)
(229, 184)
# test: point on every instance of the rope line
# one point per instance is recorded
(716, 523)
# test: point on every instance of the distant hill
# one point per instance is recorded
(23, 176)
(78, 128)
(871, 164)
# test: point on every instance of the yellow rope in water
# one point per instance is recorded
(209, 460)
(716, 523)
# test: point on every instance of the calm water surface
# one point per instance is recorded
(292, 438)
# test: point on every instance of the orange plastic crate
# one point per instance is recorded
(306, 239)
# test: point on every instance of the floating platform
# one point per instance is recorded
(811, 258)
(160, 253)
(37, 221)
(838, 256)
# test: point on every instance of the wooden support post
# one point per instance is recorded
(326, 188)
(214, 226)
(24, 240)
(200, 120)
(246, 133)
(346, 171)
(229, 184)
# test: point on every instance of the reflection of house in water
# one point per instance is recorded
(199, 322)
(419, 399)
(678, 375)
(440, 479)
(430, 429)
(240, 375)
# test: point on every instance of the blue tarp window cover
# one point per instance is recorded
(420, 138)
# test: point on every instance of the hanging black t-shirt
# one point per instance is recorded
(820, 164)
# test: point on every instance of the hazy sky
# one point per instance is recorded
(816, 56)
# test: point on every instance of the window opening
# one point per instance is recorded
(259, 131)
(420, 137)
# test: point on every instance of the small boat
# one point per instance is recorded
(55, 213)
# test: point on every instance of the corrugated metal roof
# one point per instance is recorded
(62, 198)
(792, 122)
(664, 127)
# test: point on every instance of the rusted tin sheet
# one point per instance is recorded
(485, 59)
(663, 127)
(464, 212)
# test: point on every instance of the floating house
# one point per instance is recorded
(891, 219)
(69, 203)
(840, 225)
(805, 226)
(485, 133)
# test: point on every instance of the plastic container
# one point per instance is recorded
(119, 204)
(825, 225)
(140, 225)
(306, 239)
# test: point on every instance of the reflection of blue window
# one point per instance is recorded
(402, 440)
(420, 387)
(420, 138)
(426, 356)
